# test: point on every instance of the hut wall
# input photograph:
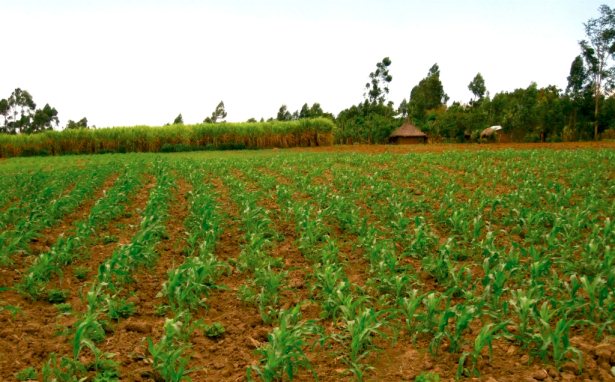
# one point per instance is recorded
(410, 140)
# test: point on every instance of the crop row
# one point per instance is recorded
(457, 252)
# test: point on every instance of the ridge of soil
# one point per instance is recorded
(28, 336)
(128, 341)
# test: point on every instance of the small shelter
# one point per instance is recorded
(407, 134)
(490, 132)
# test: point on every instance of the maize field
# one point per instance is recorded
(280, 265)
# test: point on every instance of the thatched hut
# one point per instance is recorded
(407, 134)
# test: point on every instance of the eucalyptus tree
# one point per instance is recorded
(217, 115)
(477, 87)
(377, 88)
(427, 95)
(599, 53)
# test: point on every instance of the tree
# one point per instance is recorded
(21, 115)
(598, 51)
(378, 86)
(284, 114)
(17, 110)
(578, 87)
(179, 120)
(43, 119)
(304, 112)
(218, 114)
(403, 108)
(372, 120)
(477, 87)
(314, 111)
(80, 124)
(577, 79)
(4, 112)
(427, 95)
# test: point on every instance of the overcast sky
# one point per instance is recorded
(123, 62)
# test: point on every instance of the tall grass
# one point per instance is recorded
(307, 132)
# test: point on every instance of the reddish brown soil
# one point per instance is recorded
(406, 360)
(226, 358)
(129, 338)
(122, 229)
(29, 336)
(440, 147)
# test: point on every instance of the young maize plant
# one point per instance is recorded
(264, 291)
(468, 362)
(257, 226)
(283, 354)
(44, 215)
(556, 339)
(521, 240)
(29, 191)
(190, 284)
(66, 249)
(104, 296)
(118, 270)
(168, 360)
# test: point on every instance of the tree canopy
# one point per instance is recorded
(427, 95)
(20, 114)
(217, 115)
(599, 53)
(477, 87)
(377, 88)
(80, 124)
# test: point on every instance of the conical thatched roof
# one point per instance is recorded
(407, 130)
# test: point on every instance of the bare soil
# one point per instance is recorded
(440, 147)
(29, 335)
(129, 338)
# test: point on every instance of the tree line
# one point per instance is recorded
(584, 110)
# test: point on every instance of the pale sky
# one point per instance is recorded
(130, 62)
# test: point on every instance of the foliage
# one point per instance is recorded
(372, 120)
(520, 253)
(214, 330)
(306, 132)
(427, 95)
(427, 376)
(377, 88)
(284, 114)
(366, 123)
(217, 115)
(27, 374)
(168, 354)
(283, 354)
(80, 124)
(179, 120)
(21, 115)
(57, 296)
(598, 52)
(477, 87)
